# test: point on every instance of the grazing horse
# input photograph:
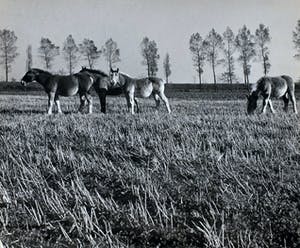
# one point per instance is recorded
(144, 86)
(278, 87)
(102, 86)
(57, 85)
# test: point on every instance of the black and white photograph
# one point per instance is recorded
(149, 123)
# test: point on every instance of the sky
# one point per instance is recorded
(169, 22)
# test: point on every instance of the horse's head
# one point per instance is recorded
(251, 103)
(83, 69)
(30, 76)
(114, 76)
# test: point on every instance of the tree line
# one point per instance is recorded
(215, 49)
(72, 53)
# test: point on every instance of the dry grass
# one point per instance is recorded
(205, 176)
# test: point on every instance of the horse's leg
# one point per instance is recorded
(130, 101)
(51, 96)
(285, 99)
(265, 103)
(293, 99)
(82, 102)
(271, 106)
(137, 105)
(156, 99)
(90, 102)
(56, 99)
(165, 100)
(102, 98)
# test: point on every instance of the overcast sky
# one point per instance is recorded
(169, 22)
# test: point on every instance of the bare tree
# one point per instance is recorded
(89, 51)
(213, 43)
(47, 52)
(29, 58)
(167, 67)
(70, 51)
(150, 55)
(198, 53)
(229, 49)
(245, 44)
(111, 52)
(296, 39)
(8, 50)
(262, 38)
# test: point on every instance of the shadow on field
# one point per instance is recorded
(19, 111)
(34, 111)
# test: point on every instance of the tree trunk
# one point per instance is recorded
(148, 68)
(229, 71)
(6, 69)
(265, 66)
(213, 68)
(70, 64)
(90, 62)
(229, 63)
(47, 64)
(199, 74)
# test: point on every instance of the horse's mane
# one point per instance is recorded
(253, 87)
(40, 71)
(103, 74)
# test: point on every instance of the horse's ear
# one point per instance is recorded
(117, 69)
(111, 70)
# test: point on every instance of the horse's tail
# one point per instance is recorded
(290, 83)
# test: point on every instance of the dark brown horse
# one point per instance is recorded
(102, 86)
(267, 87)
(57, 85)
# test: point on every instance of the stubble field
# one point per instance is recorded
(206, 175)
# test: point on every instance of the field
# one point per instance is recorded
(206, 175)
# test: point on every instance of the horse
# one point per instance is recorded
(102, 86)
(278, 87)
(57, 85)
(144, 86)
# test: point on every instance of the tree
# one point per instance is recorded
(229, 49)
(47, 52)
(8, 50)
(70, 51)
(111, 52)
(167, 67)
(213, 43)
(245, 44)
(296, 39)
(262, 38)
(150, 55)
(198, 53)
(29, 58)
(89, 51)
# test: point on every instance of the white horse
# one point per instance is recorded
(145, 87)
